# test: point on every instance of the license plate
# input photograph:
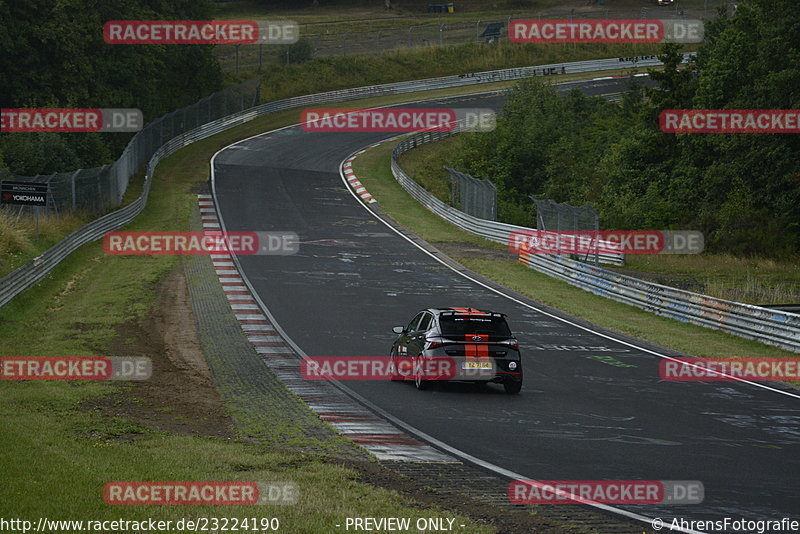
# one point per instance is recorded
(477, 365)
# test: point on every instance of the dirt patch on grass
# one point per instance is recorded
(180, 397)
(465, 249)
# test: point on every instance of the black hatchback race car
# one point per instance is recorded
(465, 344)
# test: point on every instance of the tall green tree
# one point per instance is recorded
(741, 190)
(54, 55)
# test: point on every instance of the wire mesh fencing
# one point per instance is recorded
(474, 196)
(99, 189)
(429, 31)
(552, 216)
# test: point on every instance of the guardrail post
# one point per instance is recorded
(781, 329)
(142, 149)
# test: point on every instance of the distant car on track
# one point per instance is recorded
(478, 346)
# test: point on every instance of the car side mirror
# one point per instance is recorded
(399, 330)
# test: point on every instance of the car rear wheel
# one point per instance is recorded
(512, 387)
(396, 377)
(419, 381)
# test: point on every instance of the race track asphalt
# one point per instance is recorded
(577, 418)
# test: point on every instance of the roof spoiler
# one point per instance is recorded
(472, 311)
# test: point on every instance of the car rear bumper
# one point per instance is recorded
(471, 369)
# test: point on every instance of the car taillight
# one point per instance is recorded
(433, 343)
(511, 343)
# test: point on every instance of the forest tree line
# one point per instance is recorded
(54, 56)
(741, 190)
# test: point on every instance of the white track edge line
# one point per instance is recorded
(419, 433)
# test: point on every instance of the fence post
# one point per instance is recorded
(51, 197)
(100, 192)
(100, 188)
(597, 230)
(492, 200)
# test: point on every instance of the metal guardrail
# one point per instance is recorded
(773, 327)
(794, 308)
(494, 231)
(32, 272)
(99, 189)
(770, 326)
(443, 32)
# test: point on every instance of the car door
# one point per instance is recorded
(416, 342)
(406, 339)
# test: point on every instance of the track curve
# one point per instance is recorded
(577, 418)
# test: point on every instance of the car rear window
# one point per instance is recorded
(459, 326)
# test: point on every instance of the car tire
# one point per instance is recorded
(512, 387)
(395, 375)
(418, 381)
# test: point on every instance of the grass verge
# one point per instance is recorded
(750, 280)
(368, 30)
(342, 72)
(22, 238)
(373, 170)
(18, 243)
(58, 452)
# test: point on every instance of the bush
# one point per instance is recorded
(299, 52)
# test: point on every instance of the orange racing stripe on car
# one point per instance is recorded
(476, 352)
(468, 311)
